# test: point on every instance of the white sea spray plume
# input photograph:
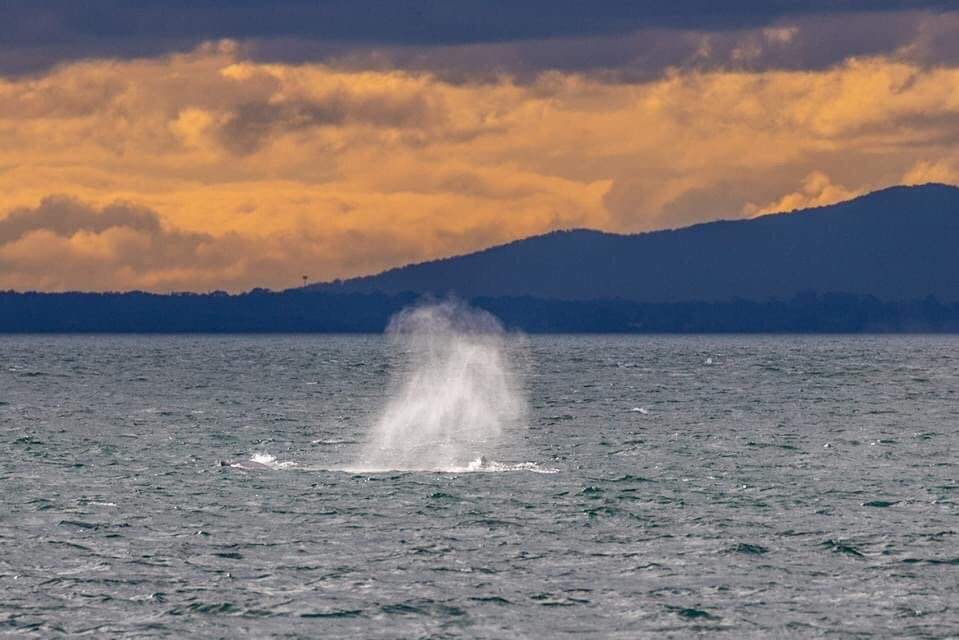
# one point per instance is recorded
(456, 393)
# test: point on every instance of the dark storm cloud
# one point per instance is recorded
(42, 32)
(796, 42)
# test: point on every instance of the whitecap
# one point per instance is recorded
(260, 460)
(479, 465)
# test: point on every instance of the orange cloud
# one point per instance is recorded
(817, 190)
(944, 171)
(239, 174)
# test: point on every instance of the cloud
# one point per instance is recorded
(944, 171)
(468, 34)
(64, 243)
(416, 22)
(211, 170)
(817, 190)
(250, 124)
(64, 216)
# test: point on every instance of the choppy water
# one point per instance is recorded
(793, 487)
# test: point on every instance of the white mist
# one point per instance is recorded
(455, 396)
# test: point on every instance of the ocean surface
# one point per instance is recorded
(715, 487)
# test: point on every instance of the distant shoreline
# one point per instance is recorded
(305, 311)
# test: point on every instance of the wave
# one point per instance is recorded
(261, 461)
(332, 441)
(479, 465)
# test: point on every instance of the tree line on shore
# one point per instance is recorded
(306, 311)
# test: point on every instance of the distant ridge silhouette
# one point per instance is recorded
(900, 243)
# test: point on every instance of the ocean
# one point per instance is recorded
(608, 487)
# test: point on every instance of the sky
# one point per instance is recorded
(229, 144)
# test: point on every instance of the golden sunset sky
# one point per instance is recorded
(187, 149)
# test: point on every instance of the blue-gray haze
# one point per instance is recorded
(705, 486)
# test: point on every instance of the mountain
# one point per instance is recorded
(900, 243)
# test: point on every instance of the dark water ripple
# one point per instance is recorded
(794, 487)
